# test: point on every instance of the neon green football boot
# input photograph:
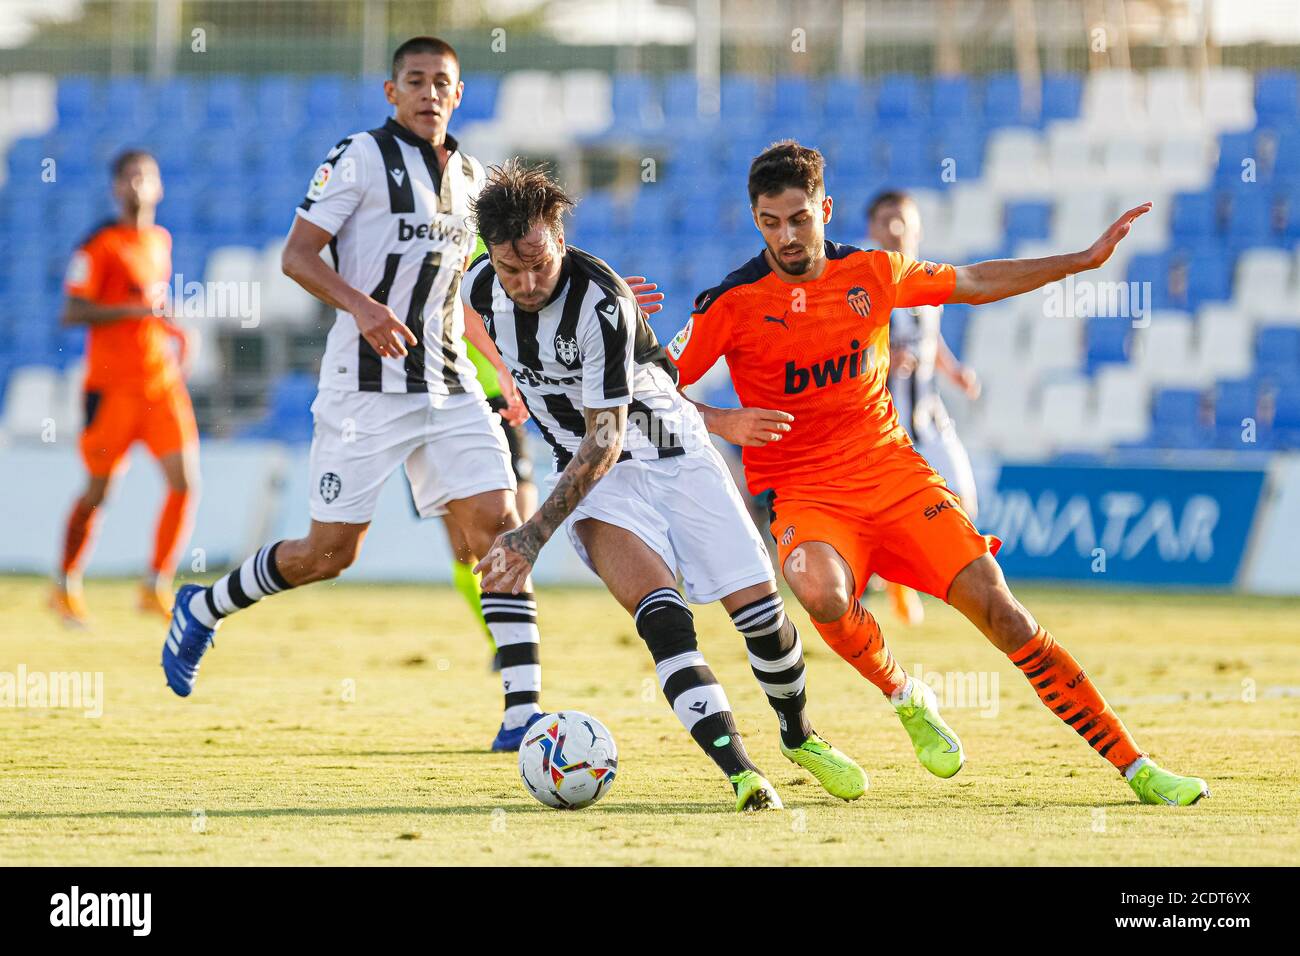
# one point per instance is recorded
(834, 769)
(936, 744)
(1153, 785)
(753, 792)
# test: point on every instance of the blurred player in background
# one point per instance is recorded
(804, 327)
(134, 389)
(916, 351)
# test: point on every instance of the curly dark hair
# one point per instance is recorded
(516, 199)
(785, 164)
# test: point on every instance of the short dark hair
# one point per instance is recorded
(515, 200)
(126, 156)
(785, 164)
(432, 45)
(887, 197)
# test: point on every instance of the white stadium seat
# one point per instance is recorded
(1081, 215)
(1228, 99)
(1173, 104)
(31, 402)
(1071, 155)
(1014, 162)
(1183, 162)
(1055, 345)
(994, 340)
(1165, 351)
(975, 219)
(1224, 337)
(1123, 398)
(1113, 100)
(233, 270)
(1064, 414)
(530, 108)
(281, 298)
(1264, 285)
(588, 101)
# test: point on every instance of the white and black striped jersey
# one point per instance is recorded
(588, 347)
(916, 394)
(401, 234)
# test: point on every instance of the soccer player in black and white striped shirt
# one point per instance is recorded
(396, 386)
(641, 491)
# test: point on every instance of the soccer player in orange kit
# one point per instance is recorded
(134, 388)
(804, 329)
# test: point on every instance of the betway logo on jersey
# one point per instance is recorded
(443, 228)
(529, 377)
(829, 371)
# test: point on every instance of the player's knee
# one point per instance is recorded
(666, 624)
(1010, 621)
(825, 597)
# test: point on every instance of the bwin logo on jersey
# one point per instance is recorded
(330, 486)
(566, 350)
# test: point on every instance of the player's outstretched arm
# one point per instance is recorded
(748, 427)
(301, 262)
(997, 279)
(510, 559)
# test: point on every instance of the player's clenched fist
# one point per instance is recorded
(751, 427)
(385, 332)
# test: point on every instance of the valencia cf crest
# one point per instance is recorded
(859, 301)
(566, 351)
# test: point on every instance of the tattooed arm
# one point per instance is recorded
(511, 557)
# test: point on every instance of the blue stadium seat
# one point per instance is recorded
(288, 418)
(900, 99)
(1176, 420)
(954, 97)
(1234, 150)
(1286, 416)
(1002, 102)
(1209, 279)
(1276, 98)
(1153, 267)
(845, 100)
(963, 143)
(1061, 95)
(794, 99)
(635, 98)
(1235, 402)
(1194, 216)
(1028, 220)
(952, 327)
(479, 102)
(1250, 219)
(1107, 341)
(76, 100)
(1286, 163)
(1277, 354)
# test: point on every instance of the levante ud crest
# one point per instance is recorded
(566, 350)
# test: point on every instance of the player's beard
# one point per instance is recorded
(796, 268)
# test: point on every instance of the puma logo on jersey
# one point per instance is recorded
(829, 371)
(398, 175)
(780, 321)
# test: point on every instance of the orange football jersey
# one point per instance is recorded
(818, 350)
(120, 266)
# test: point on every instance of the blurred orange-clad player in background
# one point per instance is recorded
(134, 388)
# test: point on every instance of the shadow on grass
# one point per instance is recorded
(476, 810)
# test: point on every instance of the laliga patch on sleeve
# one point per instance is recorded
(79, 268)
(320, 181)
(678, 344)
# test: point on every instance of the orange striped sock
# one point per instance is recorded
(856, 637)
(1062, 685)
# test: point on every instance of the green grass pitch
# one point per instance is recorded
(347, 724)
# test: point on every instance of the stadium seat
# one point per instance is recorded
(900, 98)
(1064, 417)
(1264, 284)
(1107, 340)
(1165, 351)
(1113, 101)
(1122, 395)
(845, 100)
(1194, 217)
(1176, 419)
(1172, 106)
(1055, 345)
(1277, 354)
(31, 398)
(1224, 342)
(1015, 162)
(1236, 405)
(1062, 96)
(1276, 98)
(1227, 99)
(1286, 416)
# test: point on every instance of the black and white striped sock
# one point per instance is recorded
(776, 658)
(667, 626)
(246, 585)
(512, 619)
